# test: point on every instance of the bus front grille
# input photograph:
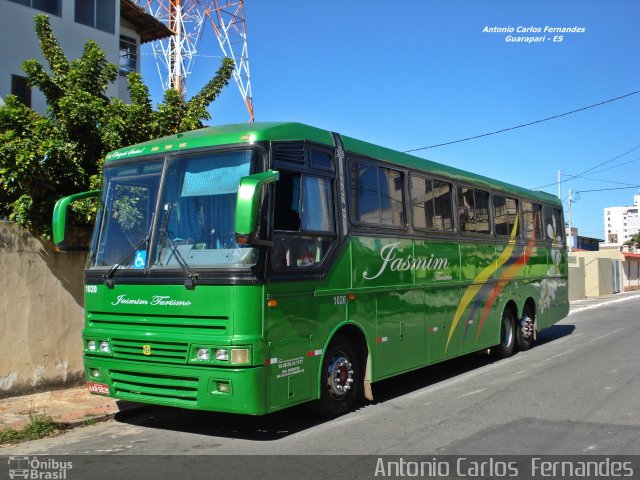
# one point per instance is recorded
(150, 351)
(142, 387)
(158, 324)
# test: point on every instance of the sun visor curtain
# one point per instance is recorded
(203, 177)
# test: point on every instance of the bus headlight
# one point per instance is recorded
(104, 347)
(222, 354)
(92, 345)
(202, 354)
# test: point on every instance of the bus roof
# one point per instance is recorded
(292, 131)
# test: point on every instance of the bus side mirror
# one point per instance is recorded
(59, 223)
(248, 202)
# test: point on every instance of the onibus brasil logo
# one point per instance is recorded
(38, 468)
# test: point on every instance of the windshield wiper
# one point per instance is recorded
(107, 277)
(190, 281)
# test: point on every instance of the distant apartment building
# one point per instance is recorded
(118, 26)
(620, 223)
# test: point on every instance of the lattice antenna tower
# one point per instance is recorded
(188, 19)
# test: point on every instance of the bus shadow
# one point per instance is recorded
(281, 424)
(425, 377)
(269, 427)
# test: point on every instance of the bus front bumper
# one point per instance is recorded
(232, 390)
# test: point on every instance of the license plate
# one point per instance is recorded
(99, 388)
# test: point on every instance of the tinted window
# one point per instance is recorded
(376, 195)
(553, 226)
(304, 226)
(532, 220)
(431, 204)
(505, 212)
(321, 159)
(473, 211)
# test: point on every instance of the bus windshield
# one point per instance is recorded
(195, 221)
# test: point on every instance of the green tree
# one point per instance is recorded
(43, 158)
(634, 241)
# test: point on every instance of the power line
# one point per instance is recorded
(601, 181)
(574, 177)
(609, 161)
(606, 189)
(524, 124)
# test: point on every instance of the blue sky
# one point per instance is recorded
(422, 72)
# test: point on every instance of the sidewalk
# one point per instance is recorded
(76, 406)
(71, 407)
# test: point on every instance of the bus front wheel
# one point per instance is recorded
(507, 336)
(340, 379)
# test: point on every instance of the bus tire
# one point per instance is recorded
(340, 378)
(525, 333)
(507, 336)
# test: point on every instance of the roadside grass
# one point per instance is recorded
(39, 426)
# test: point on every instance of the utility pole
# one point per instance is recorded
(570, 225)
(559, 186)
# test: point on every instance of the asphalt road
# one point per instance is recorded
(576, 392)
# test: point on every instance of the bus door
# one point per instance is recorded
(305, 242)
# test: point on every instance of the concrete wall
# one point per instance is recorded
(598, 272)
(41, 313)
(576, 278)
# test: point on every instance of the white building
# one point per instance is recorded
(118, 26)
(620, 223)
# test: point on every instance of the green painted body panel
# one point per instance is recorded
(414, 301)
(238, 134)
(172, 322)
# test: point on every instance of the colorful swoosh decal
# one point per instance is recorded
(480, 282)
(510, 272)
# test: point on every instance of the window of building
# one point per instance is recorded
(49, 6)
(376, 195)
(431, 204)
(505, 211)
(100, 14)
(473, 211)
(532, 220)
(128, 55)
(20, 88)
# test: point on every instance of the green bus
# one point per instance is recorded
(248, 268)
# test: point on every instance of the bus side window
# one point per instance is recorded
(532, 216)
(430, 204)
(553, 227)
(304, 224)
(506, 216)
(473, 211)
(376, 195)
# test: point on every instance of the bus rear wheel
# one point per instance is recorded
(340, 378)
(526, 331)
(507, 336)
